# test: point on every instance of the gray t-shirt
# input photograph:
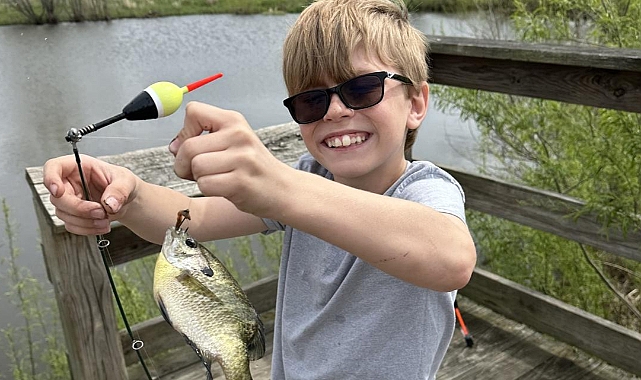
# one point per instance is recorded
(337, 317)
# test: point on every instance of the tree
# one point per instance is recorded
(589, 153)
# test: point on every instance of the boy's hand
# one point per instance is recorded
(230, 161)
(112, 185)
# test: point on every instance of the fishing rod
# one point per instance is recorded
(158, 100)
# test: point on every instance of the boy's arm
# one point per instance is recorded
(405, 239)
(146, 209)
(155, 209)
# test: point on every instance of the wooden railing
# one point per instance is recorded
(599, 77)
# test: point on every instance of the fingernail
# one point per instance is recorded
(98, 213)
(53, 189)
(173, 145)
(112, 204)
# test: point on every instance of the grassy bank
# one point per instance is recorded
(114, 9)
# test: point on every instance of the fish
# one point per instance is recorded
(201, 300)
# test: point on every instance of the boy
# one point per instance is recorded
(375, 247)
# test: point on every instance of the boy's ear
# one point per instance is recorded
(419, 101)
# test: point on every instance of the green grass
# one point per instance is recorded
(34, 348)
(161, 8)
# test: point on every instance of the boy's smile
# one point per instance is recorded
(346, 140)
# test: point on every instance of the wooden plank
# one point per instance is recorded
(545, 211)
(588, 75)
(606, 88)
(84, 301)
(604, 339)
(505, 349)
(518, 51)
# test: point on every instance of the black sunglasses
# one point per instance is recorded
(357, 93)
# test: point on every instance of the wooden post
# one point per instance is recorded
(85, 302)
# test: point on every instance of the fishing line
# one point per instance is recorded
(127, 138)
(103, 244)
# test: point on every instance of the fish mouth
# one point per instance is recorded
(174, 252)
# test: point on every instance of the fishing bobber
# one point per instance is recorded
(158, 100)
(161, 99)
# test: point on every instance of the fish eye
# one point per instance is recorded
(191, 243)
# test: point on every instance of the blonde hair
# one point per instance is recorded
(320, 43)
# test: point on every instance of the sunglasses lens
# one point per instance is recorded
(309, 106)
(362, 92)
(357, 93)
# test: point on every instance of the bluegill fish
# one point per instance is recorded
(201, 300)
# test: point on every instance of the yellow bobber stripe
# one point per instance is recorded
(167, 96)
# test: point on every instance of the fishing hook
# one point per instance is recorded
(182, 216)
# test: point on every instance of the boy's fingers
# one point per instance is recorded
(199, 118)
(114, 198)
(53, 172)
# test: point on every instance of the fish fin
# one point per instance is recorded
(256, 346)
(163, 310)
(187, 276)
(198, 352)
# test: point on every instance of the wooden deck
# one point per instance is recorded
(503, 350)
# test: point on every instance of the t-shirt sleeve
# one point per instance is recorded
(435, 188)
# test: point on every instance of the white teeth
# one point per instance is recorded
(344, 141)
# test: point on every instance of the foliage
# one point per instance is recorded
(34, 13)
(35, 349)
(589, 153)
(52, 11)
(134, 281)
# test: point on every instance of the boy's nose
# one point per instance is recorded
(337, 109)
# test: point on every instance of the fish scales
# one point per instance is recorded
(201, 300)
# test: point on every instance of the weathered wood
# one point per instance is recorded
(505, 349)
(602, 338)
(598, 57)
(545, 211)
(85, 302)
(579, 75)
(76, 270)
